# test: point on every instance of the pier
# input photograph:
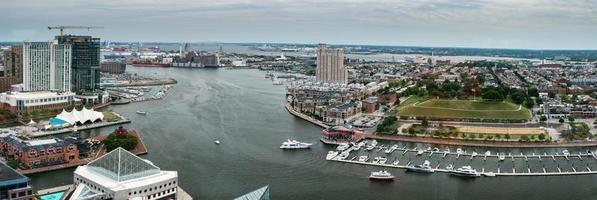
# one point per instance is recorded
(513, 164)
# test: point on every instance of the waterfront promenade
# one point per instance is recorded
(305, 117)
(140, 149)
(79, 128)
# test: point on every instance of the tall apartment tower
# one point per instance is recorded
(46, 66)
(85, 60)
(13, 68)
(330, 65)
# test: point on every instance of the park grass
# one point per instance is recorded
(463, 109)
(110, 117)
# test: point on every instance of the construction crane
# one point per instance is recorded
(73, 27)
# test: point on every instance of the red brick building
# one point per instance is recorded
(39, 153)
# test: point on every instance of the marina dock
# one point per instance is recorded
(554, 164)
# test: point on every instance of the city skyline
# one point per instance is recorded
(473, 23)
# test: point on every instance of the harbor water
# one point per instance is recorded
(245, 112)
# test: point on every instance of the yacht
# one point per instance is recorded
(331, 155)
(141, 112)
(293, 144)
(363, 158)
(425, 168)
(502, 156)
(381, 175)
(465, 171)
(343, 147)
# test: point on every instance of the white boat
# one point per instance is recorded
(420, 152)
(465, 171)
(396, 162)
(566, 152)
(381, 175)
(331, 155)
(436, 149)
(488, 153)
(502, 156)
(449, 167)
(343, 155)
(363, 158)
(474, 154)
(391, 149)
(141, 112)
(489, 174)
(447, 150)
(293, 144)
(342, 147)
(459, 151)
(217, 141)
(425, 168)
(382, 160)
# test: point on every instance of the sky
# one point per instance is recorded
(516, 24)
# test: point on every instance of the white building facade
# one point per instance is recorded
(46, 66)
(330, 65)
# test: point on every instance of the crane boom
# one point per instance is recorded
(61, 28)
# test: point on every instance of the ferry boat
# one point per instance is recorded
(141, 112)
(381, 175)
(425, 168)
(331, 155)
(502, 156)
(465, 171)
(293, 144)
(363, 158)
(343, 147)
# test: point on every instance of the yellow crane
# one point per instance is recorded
(61, 28)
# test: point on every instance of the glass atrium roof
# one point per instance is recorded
(121, 165)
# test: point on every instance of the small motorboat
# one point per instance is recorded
(502, 156)
(343, 147)
(420, 152)
(566, 152)
(363, 158)
(140, 112)
(381, 175)
(488, 153)
(489, 174)
(424, 168)
(331, 155)
(459, 151)
(465, 171)
(217, 141)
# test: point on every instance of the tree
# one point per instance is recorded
(13, 164)
(571, 119)
(492, 94)
(529, 103)
(561, 120)
(424, 122)
(507, 136)
(411, 131)
(541, 136)
(518, 97)
(533, 92)
(114, 141)
(551, 95)
(543, 118)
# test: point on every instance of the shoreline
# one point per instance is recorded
(451, 142)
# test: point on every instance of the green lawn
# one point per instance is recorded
(110, 117)
(463, 109)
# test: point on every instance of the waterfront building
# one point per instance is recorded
(197, 59)
(76, 117)
(259, 194)
(330, 65)
(13, 185)
(46, 66)
(113, 67)
(336, 134)
(370, 105)
(13, 68)
(85, 76)
(39, 153)
(22, 102)
(120, 174)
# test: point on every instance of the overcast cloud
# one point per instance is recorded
(543, 24)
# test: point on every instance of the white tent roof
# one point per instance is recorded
(81, 116)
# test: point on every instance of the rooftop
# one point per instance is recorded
(9, 176)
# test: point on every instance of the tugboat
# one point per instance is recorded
(465, 171)
(293, 144)
(381, 176)
(425, 168)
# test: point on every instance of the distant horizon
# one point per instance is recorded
(314, 44)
